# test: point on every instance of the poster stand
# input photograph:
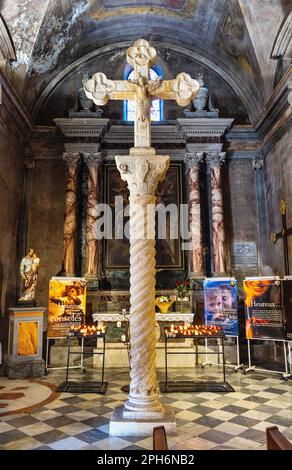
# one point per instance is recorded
(238, 366)
(251, 368)
(48, 367)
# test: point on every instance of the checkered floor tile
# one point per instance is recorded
(205, 420)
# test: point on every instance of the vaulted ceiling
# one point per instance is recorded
(234, 38)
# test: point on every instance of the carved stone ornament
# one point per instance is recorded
(92, 159)
(185, 88)
(29, 163)
(72, 159)
(98, 88)
(214, 159)
(257, 163)
(193, 159)
(141, 53)
(142, 174)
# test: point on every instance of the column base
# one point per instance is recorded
(92, 282)
(221, 274)
(141, 426)
(25, 369)
(199, 276)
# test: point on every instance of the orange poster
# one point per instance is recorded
(67, 304)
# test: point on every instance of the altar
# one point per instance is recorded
(117, 353)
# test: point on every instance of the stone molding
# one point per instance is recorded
(86, 127)
(203, 127)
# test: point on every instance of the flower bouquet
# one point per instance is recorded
(163, 302)
(182, 288)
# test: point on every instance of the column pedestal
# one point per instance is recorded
(120, 426)
(25, 343)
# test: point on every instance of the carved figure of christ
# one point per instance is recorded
(142, 90)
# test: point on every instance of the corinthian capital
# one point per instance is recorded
(29, 163)
(142, 173)
(92, 159)
(257, 163)
(71, 158)
(193, 159)
(215, 159)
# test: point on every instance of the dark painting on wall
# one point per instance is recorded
(169, 191)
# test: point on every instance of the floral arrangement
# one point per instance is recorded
(164, 298)
(183, 288)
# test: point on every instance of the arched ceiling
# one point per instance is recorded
(51, 35)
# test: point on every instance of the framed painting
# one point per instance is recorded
(168, 249)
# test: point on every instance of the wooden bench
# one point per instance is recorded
(159, 438)
(276, 440)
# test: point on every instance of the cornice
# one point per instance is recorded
(83, 127)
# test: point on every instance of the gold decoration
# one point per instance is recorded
(273, 238)
(283, 207)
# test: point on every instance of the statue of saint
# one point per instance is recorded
(29, 274)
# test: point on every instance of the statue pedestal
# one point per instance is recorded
(25, 344)
(120, 426)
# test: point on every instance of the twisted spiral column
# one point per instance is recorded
(193, 161)
(142, 174)
(218, 233)
(142, 298)
(93, 161)
(69, 235)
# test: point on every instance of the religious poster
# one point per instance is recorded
(220, 304)
(169, 192)
(287, 306)
(67, 305)
(263, 308)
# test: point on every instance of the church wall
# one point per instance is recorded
(11, 179)
(45, 221)
(241, 218)
(63, 96)
(278, 177)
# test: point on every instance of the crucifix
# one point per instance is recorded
(285, 232)
(141, 57)
(142, 169)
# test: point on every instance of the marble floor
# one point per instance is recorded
(42, 419)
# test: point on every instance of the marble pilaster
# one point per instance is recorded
(69, 236)
(215, 161)
(91, 250)
(193, 161)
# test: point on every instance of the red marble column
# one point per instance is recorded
(91, 251)
(215, 161)
(69, 237)
(193, 161)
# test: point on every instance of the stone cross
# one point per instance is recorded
(141, 56)
(142, 169)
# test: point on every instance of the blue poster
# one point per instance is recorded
(220, 304)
